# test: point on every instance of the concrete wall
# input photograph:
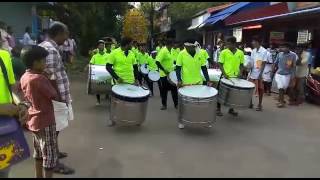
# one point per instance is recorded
(17, 15)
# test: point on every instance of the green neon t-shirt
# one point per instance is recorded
(123, 65)
(166, 60)
(190, 67)
(5, 96)
(231, 62)
(99, 59)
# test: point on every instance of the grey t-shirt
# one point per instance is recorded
(286, 63)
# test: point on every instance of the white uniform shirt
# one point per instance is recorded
(257, 57)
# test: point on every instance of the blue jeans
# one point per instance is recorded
(4, 173)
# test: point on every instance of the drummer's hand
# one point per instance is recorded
(179, 85)
(120, 80)
(137, 83)
(209, 83)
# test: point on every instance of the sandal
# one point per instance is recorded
(280, 105)
(62, 155)
(63, 169)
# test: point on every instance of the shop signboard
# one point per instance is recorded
(306, 5)
(276, 37)
(237, 32)
(302, 37)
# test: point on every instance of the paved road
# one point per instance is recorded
(272, 143)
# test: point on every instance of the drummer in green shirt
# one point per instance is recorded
(175, 52)
(189, 67)
(165, 63)
(122, 64)
(231, 65)
(100, 58)
(149, 62)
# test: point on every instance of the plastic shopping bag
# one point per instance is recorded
(71, 115)
(61, 113)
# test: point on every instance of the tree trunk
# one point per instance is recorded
(151, 26)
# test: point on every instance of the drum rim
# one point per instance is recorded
(237, 87)
(180, 89)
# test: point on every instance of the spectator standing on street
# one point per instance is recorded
(284, 69)
(7, 108)
(58, 33)
(4, 38)
(259, 57)
(39, 91)
(301, 74)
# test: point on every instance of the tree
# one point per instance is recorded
(180, 11)
(135, 26)
(90, 21)
(148, 8)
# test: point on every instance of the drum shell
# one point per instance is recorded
(98, 87)
(197, 111)
(235, 97)
(128, 112)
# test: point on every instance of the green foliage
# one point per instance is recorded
(180, 11)
(89, 21)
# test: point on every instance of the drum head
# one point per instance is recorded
(130, 91)
(143, 69)
(173, 77)
(214, 74)
(241, 83)
(154, 76)
(99, 73)
(198, 91)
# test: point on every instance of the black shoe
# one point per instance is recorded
(163, 108)
(176, 107)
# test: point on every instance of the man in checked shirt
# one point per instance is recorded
(58, 33)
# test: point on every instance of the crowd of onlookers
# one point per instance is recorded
(304, 56)
(32, 76)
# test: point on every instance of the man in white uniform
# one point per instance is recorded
(259, 57)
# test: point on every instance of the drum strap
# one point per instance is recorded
(218, 86)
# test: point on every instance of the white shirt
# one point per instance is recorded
(257, 57)
(27, 39)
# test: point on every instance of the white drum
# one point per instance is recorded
(197, 101)
(214, 74)
(128, 104)
(154, 76)
(236, 93)
(99, 80)
(144, 69)
(172, 78)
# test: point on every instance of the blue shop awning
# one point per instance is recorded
(214, 18)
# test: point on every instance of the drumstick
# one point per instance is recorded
(232, 82)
